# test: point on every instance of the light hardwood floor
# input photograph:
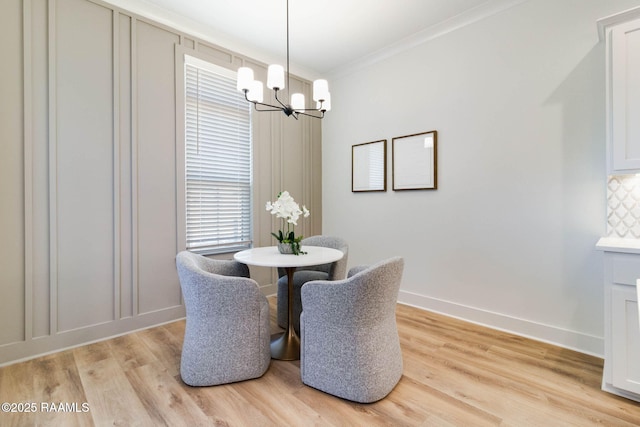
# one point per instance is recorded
(455, 374)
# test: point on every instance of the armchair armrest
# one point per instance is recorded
(356, 269)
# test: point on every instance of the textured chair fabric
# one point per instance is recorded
(349, 339)
(332, 271)
(227, 333)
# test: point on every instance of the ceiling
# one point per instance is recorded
(325, 35)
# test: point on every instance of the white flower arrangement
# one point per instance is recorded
(289, 211)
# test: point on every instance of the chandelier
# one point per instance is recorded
(253, 90)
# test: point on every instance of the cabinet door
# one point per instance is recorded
(625, 327)
(624, 80)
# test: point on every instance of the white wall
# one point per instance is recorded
(508, 237)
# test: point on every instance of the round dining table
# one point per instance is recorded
(286, 345)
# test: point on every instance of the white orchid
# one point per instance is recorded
(286, 208)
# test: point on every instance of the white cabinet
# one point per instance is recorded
(622, 35)
(625, 339)
(621, 373)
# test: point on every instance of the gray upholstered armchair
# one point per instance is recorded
(349, 338)
(227, 332)
(333, 271)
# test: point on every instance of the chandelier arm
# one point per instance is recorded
(278, 99)
(321, 109)
(311, 109)
(321, 116)
(271, 107)
(256, 103)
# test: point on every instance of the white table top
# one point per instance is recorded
(270, 257)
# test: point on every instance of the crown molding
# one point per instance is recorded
(204, 32)
(478, 13)
(209, 34)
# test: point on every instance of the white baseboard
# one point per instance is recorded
(617, 391)
(36, 347)
(572, 340)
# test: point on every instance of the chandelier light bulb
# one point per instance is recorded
(320, 90)
(245, 77)
(326, 104)
(297, 101)
(255, 93)
(275, 77)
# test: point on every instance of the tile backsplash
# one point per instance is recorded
(623, 206)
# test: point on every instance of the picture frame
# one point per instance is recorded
(369, 166)
(415, 161)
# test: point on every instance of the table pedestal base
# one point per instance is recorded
(285, 346)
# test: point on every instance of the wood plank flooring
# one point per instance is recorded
(455, 374)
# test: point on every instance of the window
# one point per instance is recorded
(218, 160)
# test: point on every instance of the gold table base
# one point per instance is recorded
(286, 345)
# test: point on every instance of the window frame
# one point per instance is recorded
(184, 57)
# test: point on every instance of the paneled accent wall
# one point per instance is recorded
(90, 172)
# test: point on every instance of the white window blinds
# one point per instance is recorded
(218, 163)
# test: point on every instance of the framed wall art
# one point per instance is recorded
(415, 161)
(369, 166)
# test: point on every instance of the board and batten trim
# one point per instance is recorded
(53, 171)
(48, 323)
(27, 124)
(117, 195)
(135, 247)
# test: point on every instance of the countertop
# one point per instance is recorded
(616, 244)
